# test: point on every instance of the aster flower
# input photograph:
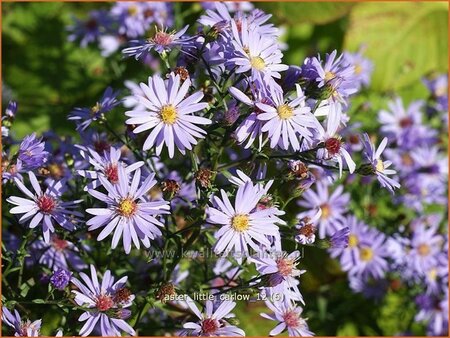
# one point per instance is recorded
(85, 116)
(127, 211)
(8, 117)
(106, 303)
(57, 254)
(281, 272)
(340, 238)
(334, 149)
(286, 121)
(434, 311)
(161, 42)
(362, 66)
(21, 328)
(106, 165)
(332, 207)
(168, 114)
(256, 53)
(289, 318)
(31, 152)
(91, 29)
(377, 166)
(44, 207)
(242, 225)
(60, 278)
(213, 322)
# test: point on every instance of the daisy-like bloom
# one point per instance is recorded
(58, 254)
(31, 152)
(127, 211)
(377, 166)
(21, 328)
(162, 41)
(362, 67)
(281, 272)
(242, 225)
(91, 29)
(256, 53)
(213, 322)
(286, 121)
(44, 207)
(106, 165)
(334, 148)
(106, 304)
(434, 311)
(399, 123)
(83, 117)
(168, 114)
(332, 206)
(289, 318)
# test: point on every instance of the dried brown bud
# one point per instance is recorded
(165, 291)
(203, 177)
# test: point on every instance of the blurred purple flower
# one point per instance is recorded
(60, 278)
(31, 152)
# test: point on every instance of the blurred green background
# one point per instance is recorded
(48, 76)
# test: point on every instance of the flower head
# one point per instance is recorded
(22, 328)
(44, 207)
(127, 212)
(31, 152)
(168, 114)
(60, 278)
(104, 302)
(85, 116)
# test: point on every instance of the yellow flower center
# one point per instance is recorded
(432, 274)
(132, 10)
(240, 223)
(257, 62)
(326, 211)
(423, 249)
(285, 112)
(168, 114)
(366, 254)
(329, 76)
(95, 109)
(358, 69)
(127, 207)
(380, 166)
(352, 241)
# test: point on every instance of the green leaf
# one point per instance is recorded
(404, 40)
(310, 12)
(38, 301)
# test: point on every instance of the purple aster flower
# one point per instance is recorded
(289, 318)
(438, 87)
(105, 304)
(168, 114)
(91, 29)
(332, 206)
(370, 287)
(256, 53)
(60, 278)
(377, 166)
(31, 152)
(106, 165)
(58, 254)
(333, 80)
(161, 42)
(135, 18)
(434, 311)
(21, 328)
(8, 117)
(213, 322)
(400, 124)
(286, 121)
(281, 272)
(242, 225)
(340, 238)
(334, 149)
(362, 67)
(85, 116)
(127, 211)
(44, 207)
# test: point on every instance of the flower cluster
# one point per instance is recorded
(230, 165)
